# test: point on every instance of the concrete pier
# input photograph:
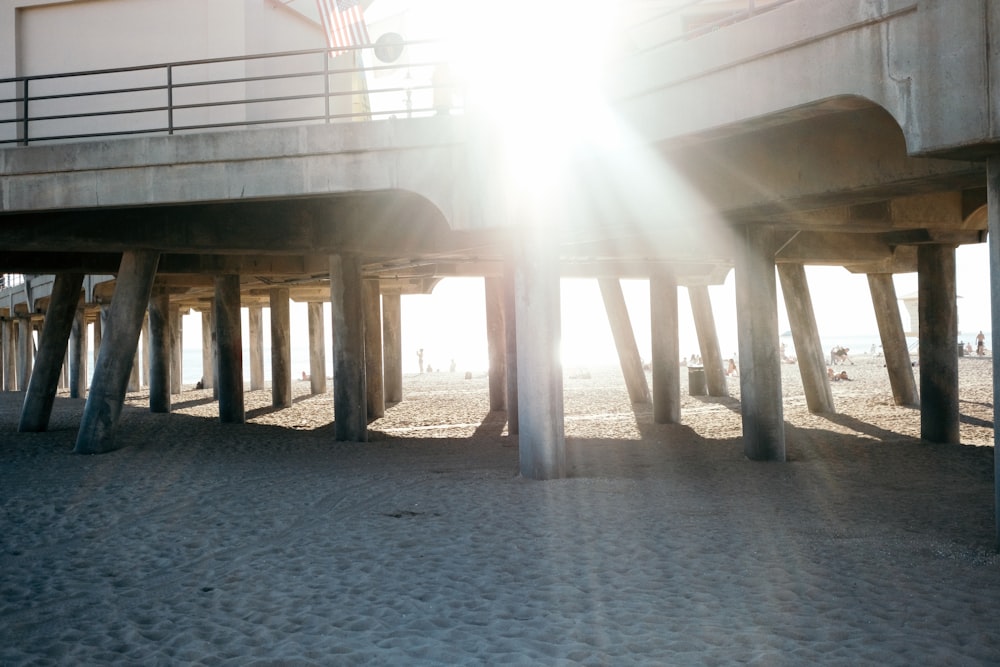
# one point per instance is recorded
(760, 366)
(42, 386)
(208, 371)
(107, 391)
(176, 349)
(317, 348)
(78, 356)
(893, 336)
(347, 320)
(7, 329)
(993, 208)
(708, 340)
(372, 304)
(810, 356)
(496, 343)
(938, 313)
(25, 351)
(510, 346)
(255, 335)
(541, 434)
(281, 348)
(229, 346)
(392, 348)
(624, 336)
(159, 352)
(663, 312)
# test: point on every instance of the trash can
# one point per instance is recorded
(961, 350)
(697, 385)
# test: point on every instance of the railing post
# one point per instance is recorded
(24, 117)
(170, 99)
(326, 86)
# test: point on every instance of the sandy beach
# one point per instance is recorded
(269, 543)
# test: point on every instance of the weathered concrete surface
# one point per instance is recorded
(805, 335)
(665, 349)
(928, 62)
(107, 391)
(938, 314)
(422, 156)
(760, 367)
(348, 329)
(893, 336)
(41, 392)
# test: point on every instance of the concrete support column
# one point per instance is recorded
(890, 329)
(281, 347)
(708, 340)
(805, 334)
(142, 350)
(98, 332)
(207, 350)
(229, 339)
(348, 329)
(938, 315)
(107, 391)
(496, 343)
(993, 238)
(25, 351)
(760, 365)
(373, 349)
(621, 330)
(134, 377)
(78, 356)
(41, 393)
(176, 350)
(392, 348)
(317, 349)
(9, 355)
(159, 353)
(541, 439)
(666, 348)
(256, 334)
(510, 346)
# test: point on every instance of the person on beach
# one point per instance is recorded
(980, 344)
(420, 359)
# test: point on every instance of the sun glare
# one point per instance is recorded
(534, 72)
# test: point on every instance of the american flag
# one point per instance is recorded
(343, 23)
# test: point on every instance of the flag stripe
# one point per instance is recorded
(343, 28)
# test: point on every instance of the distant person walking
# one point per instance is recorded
(420, 359)
(980, 344)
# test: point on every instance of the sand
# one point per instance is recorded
(268, 543)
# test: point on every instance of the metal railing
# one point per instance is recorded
(288, 88)
(295, 87)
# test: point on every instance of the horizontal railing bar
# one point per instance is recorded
(205, 61)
